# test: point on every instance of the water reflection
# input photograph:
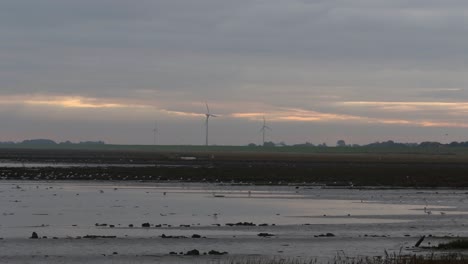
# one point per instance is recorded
(63, 204)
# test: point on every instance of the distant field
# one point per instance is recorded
(244, 149)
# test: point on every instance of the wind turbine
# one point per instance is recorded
(155, 131)
(208, 115)
(263, 130)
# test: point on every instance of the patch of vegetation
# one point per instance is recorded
(388, 259)
(456, 244)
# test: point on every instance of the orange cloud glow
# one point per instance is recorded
(301, 115)
(408, 106)
(294, 114)
(80, 102)
(64, 101)
(184, 114)
(271, 113)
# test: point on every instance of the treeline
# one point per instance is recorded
(49, 142)
(389, 144)
(384, 144)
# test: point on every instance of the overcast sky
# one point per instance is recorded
(318, 70)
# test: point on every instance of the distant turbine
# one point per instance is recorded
(263, 130)
(208, 115)
(155, 131)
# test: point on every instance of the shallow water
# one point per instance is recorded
(64, 204)
(14, 164)
(365, 220)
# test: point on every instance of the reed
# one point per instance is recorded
(387, 259)
(456, 244)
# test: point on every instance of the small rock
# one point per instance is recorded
(34, 235)
(145, 225)
(196, 236)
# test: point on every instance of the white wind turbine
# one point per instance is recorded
(208, 115)
(263, 130)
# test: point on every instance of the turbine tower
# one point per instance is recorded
(208, 115)
(263, 130)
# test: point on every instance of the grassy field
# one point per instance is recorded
(443, 150)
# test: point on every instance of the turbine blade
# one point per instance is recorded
(207, 108)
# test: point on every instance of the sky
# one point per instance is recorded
(317, 70)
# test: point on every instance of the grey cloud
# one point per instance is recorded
(58, 13)
(447, 94)
(304, 54)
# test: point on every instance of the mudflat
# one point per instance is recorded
(331, 169)
(141, 222)
(101, 206)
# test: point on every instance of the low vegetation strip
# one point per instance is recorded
(456, 244)
(394, 259)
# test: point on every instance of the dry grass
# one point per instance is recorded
(456, 244)
(388, 259)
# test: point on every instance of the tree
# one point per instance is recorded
(269, 144)
(341, 143)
